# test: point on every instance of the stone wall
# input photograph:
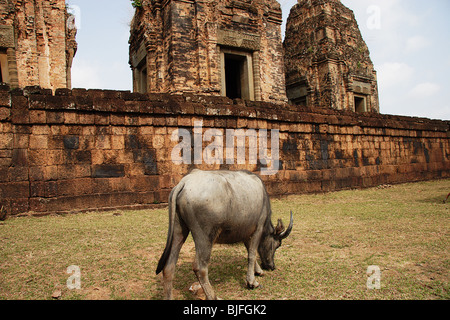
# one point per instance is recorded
(89, 149)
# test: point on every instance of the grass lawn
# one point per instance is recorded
(403, 229)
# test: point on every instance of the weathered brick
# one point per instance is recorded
(117, 142)
(38, 142)
(145, 183)
(5, 99)
(117, 119)
(184, 121)
(73, 171)
(74, 187)
(71, 118)
(38, 116)
(20, 116)
(6, 140)
(102, 119)
(55, 117)
(15, 190)
(103, 142)
(5, 113)
(108, 171)
(87, 118)
(71, 142)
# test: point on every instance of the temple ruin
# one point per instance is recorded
(327, 61)
(37, 44)
(234, 49)
(223, 48)
(210, 68)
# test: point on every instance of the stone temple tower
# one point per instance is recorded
(37, 43)
(230, 47)
(327, 62)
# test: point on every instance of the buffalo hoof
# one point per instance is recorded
(253, 285)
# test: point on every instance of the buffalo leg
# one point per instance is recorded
(179, 237)
(258, 270)
(202, 255)
(252, 248)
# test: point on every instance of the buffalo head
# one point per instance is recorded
(271, 241)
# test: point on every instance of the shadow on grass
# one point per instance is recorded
(222, 269)
(438, 199)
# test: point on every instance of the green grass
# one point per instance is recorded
(403, 229)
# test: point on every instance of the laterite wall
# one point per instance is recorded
(92, 149)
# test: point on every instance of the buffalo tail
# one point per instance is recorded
(172, 211)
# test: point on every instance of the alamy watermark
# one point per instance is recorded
(74, 281)
(374, 277)
(222, 145)
(374, 19)
(74, 17)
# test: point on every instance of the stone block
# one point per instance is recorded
(43, 173)
(20, 116)
(117, 142)
(71, 118)
(15, 190)
(103, 142)
(71, 142)
(108, 171)
(184, 121)
(38, 142)
(86, 118)
(38, 116)
(73, 171)
(6, 140)
(19, 157)
(117, 119)
(5, 100)
(5, 113)
(55, 117)
(102, 119)
(145, 183)
(74, 187)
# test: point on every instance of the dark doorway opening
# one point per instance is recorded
(234, 74)
(143, 84)
(360, 104)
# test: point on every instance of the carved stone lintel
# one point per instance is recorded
(6, 36)
(236, 39)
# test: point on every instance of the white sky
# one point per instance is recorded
(409, 41)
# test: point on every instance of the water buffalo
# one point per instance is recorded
(220, 207)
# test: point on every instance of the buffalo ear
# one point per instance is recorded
(279, 228)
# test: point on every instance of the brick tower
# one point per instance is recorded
(327, 62)
(37, 44)
(231, 48)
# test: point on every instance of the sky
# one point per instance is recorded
(409, 42)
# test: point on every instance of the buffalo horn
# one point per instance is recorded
(286, 233)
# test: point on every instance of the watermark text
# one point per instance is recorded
(222, 145)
